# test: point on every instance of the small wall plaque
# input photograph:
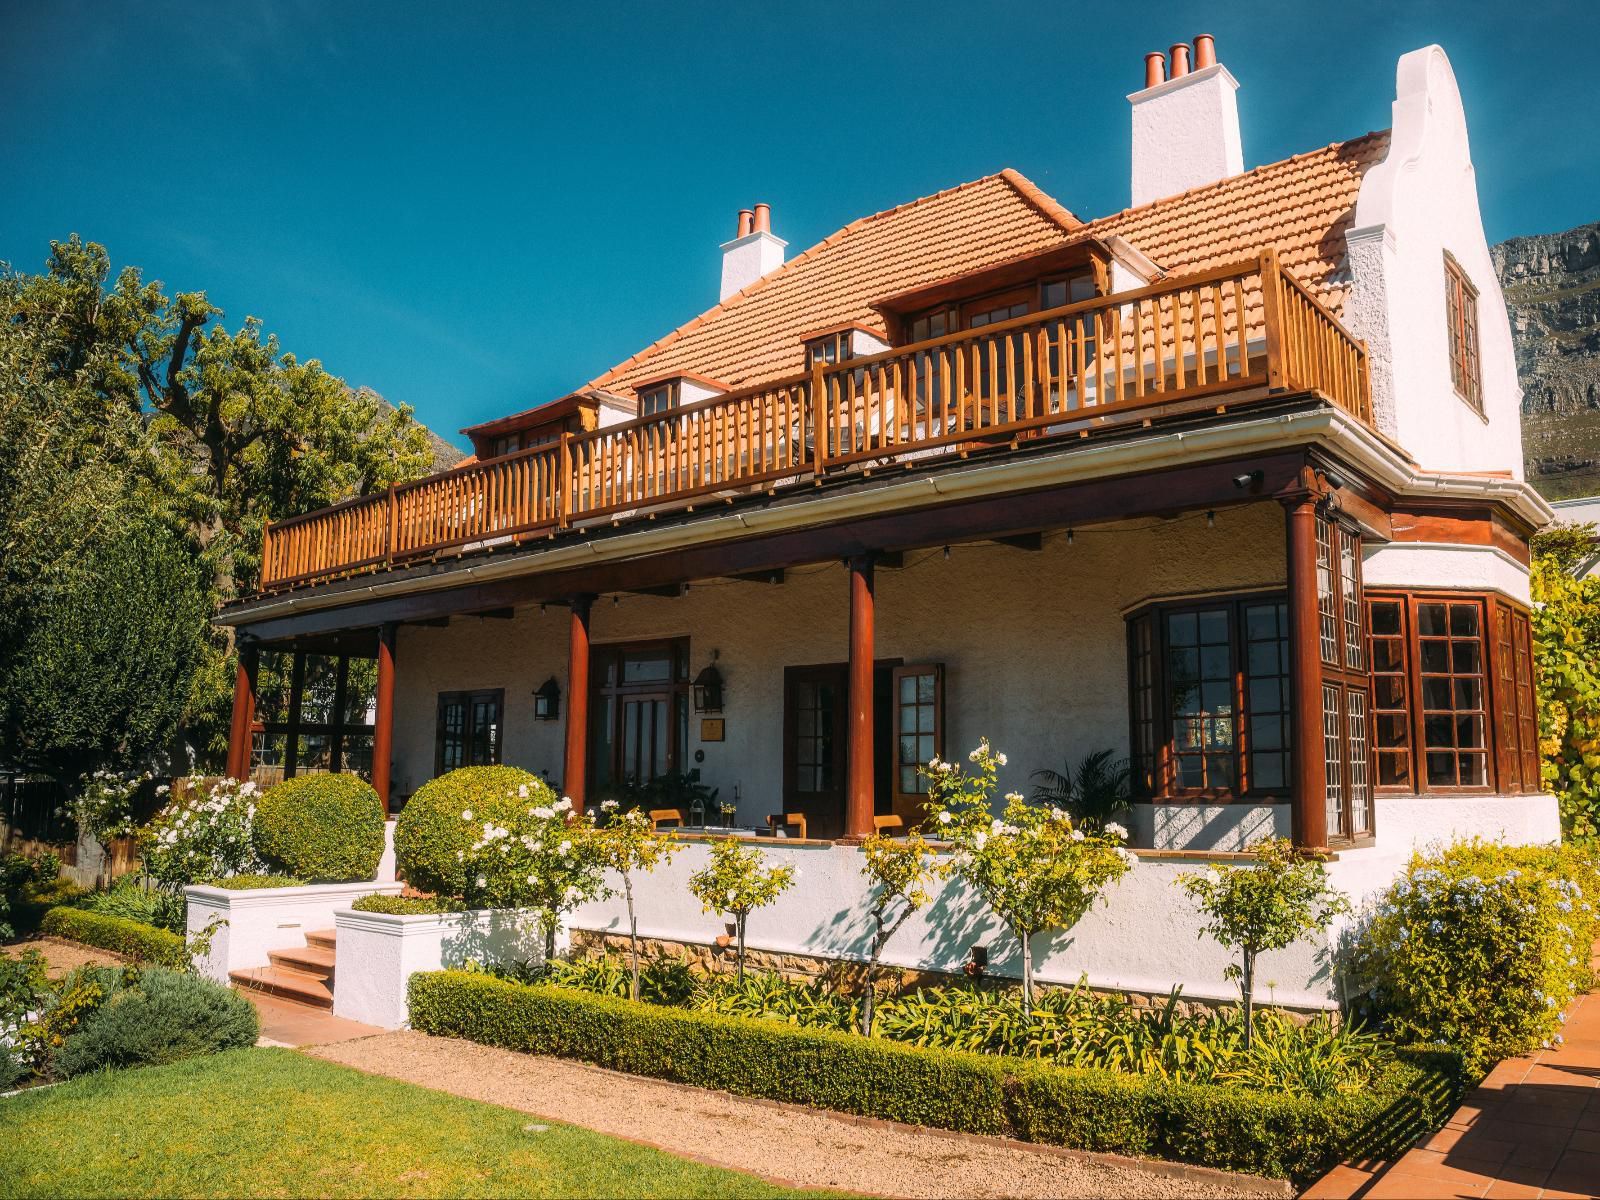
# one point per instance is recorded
(711, 729)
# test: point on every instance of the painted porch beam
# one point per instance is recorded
(1309, 813)
(383, 718)
(1196, 486)
(859, 797)
(244, 711)
(767, 577)
(575, 767)
(1022, 541)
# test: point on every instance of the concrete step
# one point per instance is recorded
(321, 937)
(286, 985)
(316, 961)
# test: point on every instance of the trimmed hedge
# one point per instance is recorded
(431, 835)
(1234, 1129)
(141, 942)
(321, 828)
(406, 906)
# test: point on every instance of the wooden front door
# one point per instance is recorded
(816, 743)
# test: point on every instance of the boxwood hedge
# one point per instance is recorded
(141, 942)
(1235, 1129)
(321, 828)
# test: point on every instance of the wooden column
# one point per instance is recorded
(575, 771)
(1310, 793)
(244, 712)
(858, 801)
(383, 719)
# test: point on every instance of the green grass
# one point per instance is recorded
(267, 1122)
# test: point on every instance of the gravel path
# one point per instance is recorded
(797, 1146)
(61, 957)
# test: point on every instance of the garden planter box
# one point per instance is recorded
(377, 953)
(260, 920)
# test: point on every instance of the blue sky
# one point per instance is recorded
(475, 207)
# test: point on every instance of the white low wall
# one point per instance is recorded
(377, 953)
(260, 920)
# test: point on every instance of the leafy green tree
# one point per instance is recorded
(898, 871)
(1267, 906)
(628, 843)
(738, 881)
(1566, 648)
(1032, 866)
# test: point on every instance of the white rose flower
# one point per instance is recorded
(610, 805)
(543, 813)
(564, 804)
(522, 791)
(1001, 759)
(563, 848)
(482, 882)
(1116, 831)
(980, 839)
(945, 818)
(466, 814)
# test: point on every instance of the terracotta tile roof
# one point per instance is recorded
(1303, 205)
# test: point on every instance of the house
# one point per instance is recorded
(1581, 510)
(1229, 482)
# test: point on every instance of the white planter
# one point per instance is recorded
(259, 920)
(377, 953)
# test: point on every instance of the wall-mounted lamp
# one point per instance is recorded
(708, 688)
(547, 700)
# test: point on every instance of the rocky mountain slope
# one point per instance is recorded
(1552, 289)
(445, 455)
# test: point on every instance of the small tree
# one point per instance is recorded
(737, 881)
(898, 873)
(1268, 906)
(542, 858)
(1033, 867)
(628, 843)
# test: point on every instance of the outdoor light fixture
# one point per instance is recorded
(708, 689)
(1248, 479)
(1335, 480)
(547, 700)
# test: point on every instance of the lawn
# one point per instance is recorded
(266, 1122)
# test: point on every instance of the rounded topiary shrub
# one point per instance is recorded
(445, 816)
(321, 828)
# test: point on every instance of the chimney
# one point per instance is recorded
(1185, 123)
(754, 251)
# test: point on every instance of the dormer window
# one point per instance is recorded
(830, 348)
(659, 398)
(1056, 292)
(1461, 314)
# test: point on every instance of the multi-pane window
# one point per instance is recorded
(468, 732)
(658, 399)
(1387, 617)
(918, 726)
(1461, 314)
(1333, 758)
(1209, 685)
(1327, 613)
(1339, 631)
(1450, 673)
(314, 714)
(830, 348)
(1516, 719)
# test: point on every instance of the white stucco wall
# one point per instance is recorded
(1420, 202)
(1443, 565)
(1033, 645)
(260, 920)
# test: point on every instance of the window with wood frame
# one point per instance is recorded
(639, 714)
(1346, 699)
(1461, 314)
(314, 714)
(918, 726)
(1209, 690)
(468, 731)
(830, 348)
(659, 399)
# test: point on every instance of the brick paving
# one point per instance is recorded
(1531, 1128)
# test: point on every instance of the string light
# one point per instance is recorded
(1211, 519)
(947, 551)
(1069, 537)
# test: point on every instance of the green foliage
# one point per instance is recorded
(205, 833)
(771, 997)
(667, 981)
(1481, 946)
(112, 805)
(436, 829)
(1297, 1137)
(164, 1017)
(898, 872)
(627, 843)
(1032, 866)
(255, 883)
(737, 881)
(406, 906)
(1566, 648)
(140, 942)
(1270, 905)
(130, 898)
(63, 1008)
(29, 886)
(321, 828)
(1096, 793)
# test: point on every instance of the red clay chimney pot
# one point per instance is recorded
(1180, 60)
(1155, 68)
(747, 221)
(1205, 51)
(763, 218)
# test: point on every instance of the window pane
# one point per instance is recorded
(318, 689)
(360, 691)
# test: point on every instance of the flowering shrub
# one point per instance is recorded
(1268, 906)
(1481, 946)
(1033, 867)
(737, 881)
(1566, 648)
(204, 834)
(536, 855)
(899, 872)
(111, 805)
(430, 836)
(628, 843)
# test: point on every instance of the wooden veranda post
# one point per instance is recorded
(244, 711)
(383, 718)
(858, 802)
(1310, 808)
(577, 757)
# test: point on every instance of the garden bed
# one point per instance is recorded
(1226, 1127)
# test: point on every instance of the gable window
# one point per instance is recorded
(1461, 313)
(658, 399)
(830, 348)
(1209, 684)
(468, 732)
(918, 726)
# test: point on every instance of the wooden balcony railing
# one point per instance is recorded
(1248, 327)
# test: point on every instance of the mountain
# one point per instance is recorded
(1552, 288)
(445, 455)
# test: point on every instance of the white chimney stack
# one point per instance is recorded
(1185, 128)
(753, 252)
